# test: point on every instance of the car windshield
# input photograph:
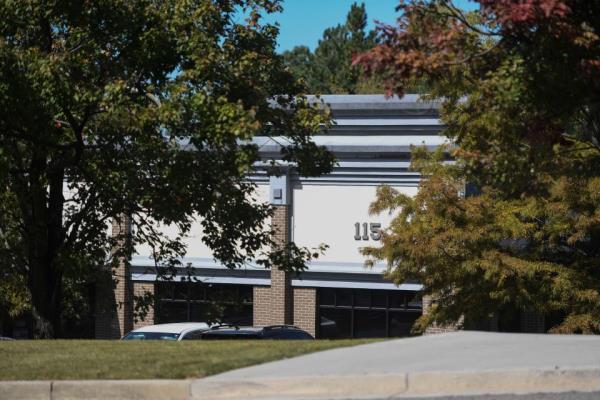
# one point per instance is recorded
(151, 336)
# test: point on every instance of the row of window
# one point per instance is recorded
(338, 323)
(371, 299)
(204, 292)
(358, 313)
(200, 302)
(341, 313)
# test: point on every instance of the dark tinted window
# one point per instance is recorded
(197, 301)
(327, 297)
(172, 311)
(414, 301)
(402, 322)
(335, 323)
(345, 313)
(362, 298)
(396, 300)
(369, 324)
(378, 299)
(343, 297)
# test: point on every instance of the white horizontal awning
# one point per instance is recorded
(295, 282)
(199, 263)
(356, 285)
(382, 142)
(208, 279)
(387, 122)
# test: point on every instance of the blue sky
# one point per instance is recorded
(302, 22)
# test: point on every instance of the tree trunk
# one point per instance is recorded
(44, 234)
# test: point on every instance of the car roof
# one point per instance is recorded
(231, 328)
(177, 327)
(246, 330)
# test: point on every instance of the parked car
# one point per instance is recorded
(278, 332)
(175, 331)
(6, 338)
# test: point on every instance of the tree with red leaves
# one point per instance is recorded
(519, 83)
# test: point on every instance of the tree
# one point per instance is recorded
(519, 86)
(142, 109)
(329, 69)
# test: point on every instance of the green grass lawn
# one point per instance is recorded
(103, 359)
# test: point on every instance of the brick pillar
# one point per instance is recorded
(305, 309)
(114, 305)
(435, 328)
(282, 300)
(274, 305)
(261, 307)
(139, 290)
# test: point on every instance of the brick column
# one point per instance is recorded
(274, 305)
(427, 301)
(139, 290)
(281, 285)
(305, 309)
(114, 305)
(261, 306)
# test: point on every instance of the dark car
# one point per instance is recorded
(277, 332)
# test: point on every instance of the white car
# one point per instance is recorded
(176, 331)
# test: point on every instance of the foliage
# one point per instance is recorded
(518, 83)
(138, 109)
(329, 69)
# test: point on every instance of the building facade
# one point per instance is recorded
(337, 297)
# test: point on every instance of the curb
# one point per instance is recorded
(96, 390)
(403, 385)
(390, 386)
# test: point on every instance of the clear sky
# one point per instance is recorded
(302, 22)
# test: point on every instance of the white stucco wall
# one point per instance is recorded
(195, 246)
(327, 214)
(321, 214)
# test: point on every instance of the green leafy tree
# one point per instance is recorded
(145, 109)
(329, 69)
(519, 87)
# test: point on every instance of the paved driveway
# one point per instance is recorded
(446, 364)
(460, 351)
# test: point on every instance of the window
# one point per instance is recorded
(369, 324)
(201, 302)
(335, 323)
(363, 313)
(151, 336)
(194, 335)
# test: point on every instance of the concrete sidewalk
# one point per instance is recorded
(462, 365)
(448, 364)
